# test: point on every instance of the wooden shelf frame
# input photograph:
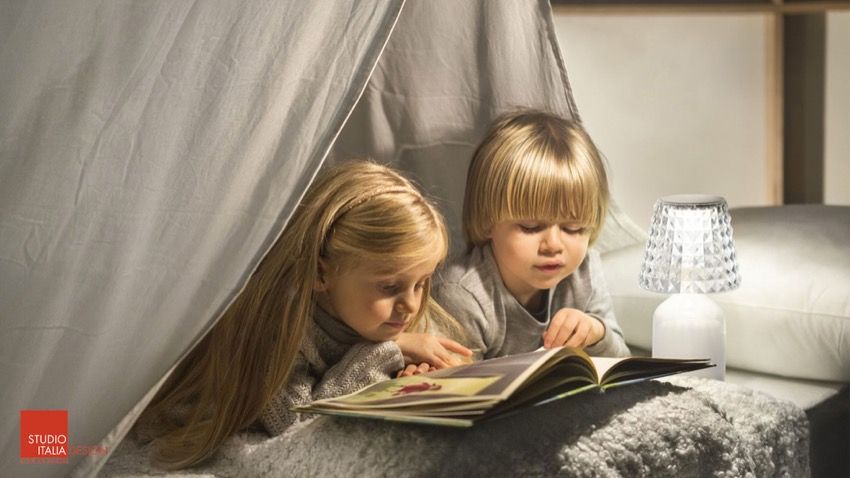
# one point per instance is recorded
(795, 73)
(777, 7)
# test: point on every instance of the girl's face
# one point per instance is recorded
(377, 304)
(534, 255)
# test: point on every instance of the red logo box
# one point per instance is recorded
(44, 434)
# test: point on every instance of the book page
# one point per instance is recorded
(618, 371)
(408, 392)
(485, 381)
(603, 364)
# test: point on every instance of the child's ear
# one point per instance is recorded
(321, 284)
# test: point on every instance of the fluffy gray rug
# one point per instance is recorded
(680, 427)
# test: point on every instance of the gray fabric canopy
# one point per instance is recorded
(151, 152)
(448, 70)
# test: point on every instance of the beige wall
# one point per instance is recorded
(677, 103)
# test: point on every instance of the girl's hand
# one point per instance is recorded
(573, 327)
(414, 369)
(439, 352)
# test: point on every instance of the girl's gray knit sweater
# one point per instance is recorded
(333, 361)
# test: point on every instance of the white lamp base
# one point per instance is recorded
(691, 326)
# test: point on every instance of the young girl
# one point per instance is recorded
(536, 199)
(317, 319)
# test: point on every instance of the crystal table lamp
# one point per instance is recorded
(690, 253)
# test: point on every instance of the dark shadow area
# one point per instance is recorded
(829, 436)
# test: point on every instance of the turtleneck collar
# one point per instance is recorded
(336, 328)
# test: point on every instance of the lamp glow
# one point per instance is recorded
(690, 253)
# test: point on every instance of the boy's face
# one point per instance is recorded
(533, 255)
(377, 304)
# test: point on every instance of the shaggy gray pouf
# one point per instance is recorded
(680, 427)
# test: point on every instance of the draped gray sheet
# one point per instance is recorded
(448, 70)
(151, 152)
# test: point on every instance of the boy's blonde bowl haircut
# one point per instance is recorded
(534, 165)
(357, 213)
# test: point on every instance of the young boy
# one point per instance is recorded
(536, 199)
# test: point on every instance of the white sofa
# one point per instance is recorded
(788, 324)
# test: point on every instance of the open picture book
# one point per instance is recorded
(466, 394)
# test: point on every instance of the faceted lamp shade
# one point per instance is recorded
(690, 247)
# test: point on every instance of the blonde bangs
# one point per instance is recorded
(543, 187)
(549, 191)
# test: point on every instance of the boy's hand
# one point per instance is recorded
(573, 327)
(439, 352)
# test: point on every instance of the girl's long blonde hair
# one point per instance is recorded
(534, 165)
(358, 212)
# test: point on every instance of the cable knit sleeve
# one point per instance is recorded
(363, 364)
(297, 390)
